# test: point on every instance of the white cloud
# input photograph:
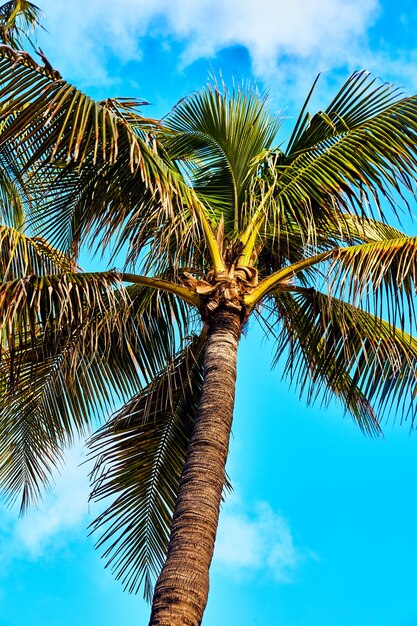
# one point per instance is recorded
(258, 542)
(248, 542)
(62, 513)
(320, 34)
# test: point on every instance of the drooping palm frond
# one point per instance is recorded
(96, 170)
(69, 145)
(57, 378)
(93, 314)
(381, 276)
(22, 256)
(51, 330)
(57, 306)
(47, 402)
(113, 209)
(139, 458)
(157, 326)
(335, 348)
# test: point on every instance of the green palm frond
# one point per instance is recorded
(22, 256)
(70, 147)
(12, 208)
(46, 401)
(338, 349)
(56, 383)
(97, 171)
(114, 208)
(32, 448)
(18, 18)
(361, 150)
(58, 306)
(88, 308)
(139, 458)
(55, 331)
(381, 276)
(218, 137)
(50, 120)
(360, 98)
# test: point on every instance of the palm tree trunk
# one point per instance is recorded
(182, 588)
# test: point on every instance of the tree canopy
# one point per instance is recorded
(212, 219)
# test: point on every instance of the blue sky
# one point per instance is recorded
(320, 528)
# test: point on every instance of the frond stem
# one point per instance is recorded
(277, 279)
(216, 257)
(250, 234)
(157, 283)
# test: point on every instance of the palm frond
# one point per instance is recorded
(57, 306)
(381, 276)
(287, 244)
(22, 256)
(218, 136)
(55, 331)
(46, 401)
(18, 18)
(57, 378)
(338, 349)
(157, 325)
(360, 151)
(355, 229)
(97, 171)
(88, 309)
(360, 98)
(139, 458)
(71, 148)
(12, 208)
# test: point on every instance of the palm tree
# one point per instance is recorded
(215, 226)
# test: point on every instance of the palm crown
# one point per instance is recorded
(212, 219)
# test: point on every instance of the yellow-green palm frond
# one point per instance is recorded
(18, 18)
(337, 349)
(381, 276)
(360, 229)
(88, 308)
(22, 256)
(287, 244)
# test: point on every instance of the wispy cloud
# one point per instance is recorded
(62, 515)
(309, 34)
(259, 541)
(249, 541)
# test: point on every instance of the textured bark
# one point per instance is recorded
(182, 588)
